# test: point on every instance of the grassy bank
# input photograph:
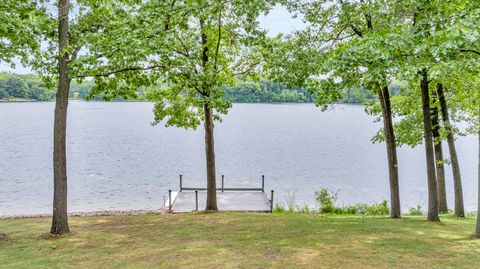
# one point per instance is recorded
(240, 240)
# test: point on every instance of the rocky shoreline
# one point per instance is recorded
(91, 214)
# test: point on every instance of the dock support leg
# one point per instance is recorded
(271, 202)
(196, 200)
(223, 181)
(181, 183)
(263, 183)
(170, 201)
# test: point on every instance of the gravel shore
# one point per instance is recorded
(92, 213)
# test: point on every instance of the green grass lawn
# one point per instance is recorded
(240, 240)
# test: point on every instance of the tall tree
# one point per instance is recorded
(439, 161)
(183, 52)
(432, 213)
(60, 217)
(457, 179)
(58, 64)
(463, 80)
(465, 83)
(421, 31)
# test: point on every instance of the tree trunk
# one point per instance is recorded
(442, 193)
(209, 141)
(210, 154)
(457, 179)
(477, 230)
(60, 217)
(430, 160)
(384, 98)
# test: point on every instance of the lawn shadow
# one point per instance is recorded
(3, 237)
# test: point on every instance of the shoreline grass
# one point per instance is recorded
(240, 240)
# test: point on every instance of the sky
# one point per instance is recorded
(278, 20)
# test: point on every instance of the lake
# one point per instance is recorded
(118, 160)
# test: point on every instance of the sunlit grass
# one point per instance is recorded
(241, 240)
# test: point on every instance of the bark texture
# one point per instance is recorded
(60, 217)
(210, 154)
(384, 98)
(457, 179)
(439, 166)
(430, 160)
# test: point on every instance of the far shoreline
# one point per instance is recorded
(146, 101)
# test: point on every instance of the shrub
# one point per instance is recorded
(326, 204)
(415, 211)
(373, 209)
(326, 200)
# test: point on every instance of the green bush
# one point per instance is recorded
(326, 204)
(415, 211)
(372, 209)
(326, 200)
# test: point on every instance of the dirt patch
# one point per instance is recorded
(3, 238)
(46, 237)
(49, 236)
(108, 225)
(307, 255)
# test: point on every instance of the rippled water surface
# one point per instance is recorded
(117, 160)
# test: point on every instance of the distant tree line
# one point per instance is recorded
(13, 86)
(31, 87)
(265, 91)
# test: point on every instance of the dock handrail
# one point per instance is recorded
(222, 188)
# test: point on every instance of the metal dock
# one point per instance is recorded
(228, 199)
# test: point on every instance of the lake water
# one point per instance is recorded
(117, 160)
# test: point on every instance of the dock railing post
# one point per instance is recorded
(170, 201)
(196, 200)
(271, 202)
(223, 182)
(263, 183)
(181, 183)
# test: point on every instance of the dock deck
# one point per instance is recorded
(228, 199)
